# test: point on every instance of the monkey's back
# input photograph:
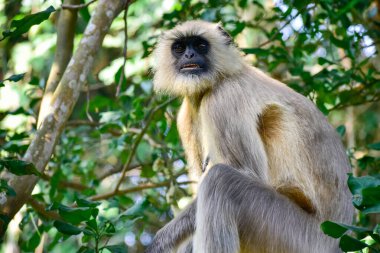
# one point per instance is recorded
(306, 160)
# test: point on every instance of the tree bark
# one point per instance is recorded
(61, 105)
(65, 43)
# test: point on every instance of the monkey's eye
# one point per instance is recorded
(202, 46)
(179, 47)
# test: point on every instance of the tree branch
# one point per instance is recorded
(40, 208)
(61, 106)
(67, 184)
(76, 6)
(116, 170)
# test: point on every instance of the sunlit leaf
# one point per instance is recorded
(136, 210)
(144, 152)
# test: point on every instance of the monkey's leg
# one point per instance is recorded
(237, 214)
(169, 237)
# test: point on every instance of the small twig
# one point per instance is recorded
(138, 139)
(75, 123)
(278, 31)
(40, 208)
(88, 105)
(136, 189)
(94, 87)
(77, 6)
(125, 49)
(116, 170)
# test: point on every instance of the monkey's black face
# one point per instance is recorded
(191, 55)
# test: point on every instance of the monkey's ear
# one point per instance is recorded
(225, 34)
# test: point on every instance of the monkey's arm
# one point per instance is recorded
(235, 132)
(176, 231)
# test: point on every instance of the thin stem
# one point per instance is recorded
(138, 139)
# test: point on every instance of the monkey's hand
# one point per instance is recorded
(162, 242)
(175, 232)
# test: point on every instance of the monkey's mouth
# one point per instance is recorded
(190, 66)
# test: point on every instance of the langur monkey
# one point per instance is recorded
(270, 167)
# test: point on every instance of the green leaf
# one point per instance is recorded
(147, 171)
(322, 61)
(374, 146)
(109, 228)
(256, 51)
(337, 230)
(19, 27)
(84, 249)
(13, 78)
(348, 243)
(333, 229)
(340, 43)
(116, 248)
(239, 27)
(346, 8)
(16, 78)
(66, 228)
(376, 230)
(136, 210)
(366, 193)
(75, 215)
(372, 209)
(19, 167)
(6, 188)
(341, 130)
(33, 242)
(86, 203)
(357, 184)
(144, 152)
(92, 224)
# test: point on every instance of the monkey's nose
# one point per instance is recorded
(189, 54)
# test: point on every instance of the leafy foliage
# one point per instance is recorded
(365, 192)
